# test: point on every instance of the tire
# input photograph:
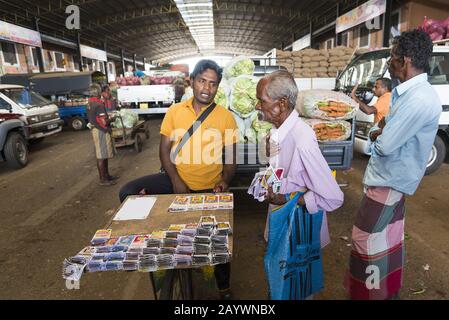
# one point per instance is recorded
(437, 155)
(77, 124)
(16, 151)
(138, 143)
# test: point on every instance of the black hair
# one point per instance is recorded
(386, 83)
(205, 64)
(416, 45)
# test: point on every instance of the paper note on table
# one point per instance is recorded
(143, 106)
(135, 208)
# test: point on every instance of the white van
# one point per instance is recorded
(368, 67)
(41, 114)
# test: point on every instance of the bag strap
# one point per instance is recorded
(191, 130)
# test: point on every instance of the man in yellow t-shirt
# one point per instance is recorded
(382, 90)
(198, 167)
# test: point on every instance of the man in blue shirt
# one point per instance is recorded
(400, 148)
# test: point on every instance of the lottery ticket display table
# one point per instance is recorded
(177, 282)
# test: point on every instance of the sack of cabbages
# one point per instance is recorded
(326, 105)
(222, 96)
(128, 117)
(262, 128)
(326, 131)
(245, 130)
(239, 66)
(243, 98)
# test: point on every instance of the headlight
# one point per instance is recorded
(33, 119)
(56, 115)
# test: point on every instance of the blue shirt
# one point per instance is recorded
(400, 154)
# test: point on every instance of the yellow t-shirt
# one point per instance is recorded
(199, 163)
(382, 106)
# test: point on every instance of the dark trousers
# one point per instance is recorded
(160, 183)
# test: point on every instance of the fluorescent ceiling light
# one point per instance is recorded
(192, 5)
(198, 17)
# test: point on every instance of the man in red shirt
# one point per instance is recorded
(101, 132)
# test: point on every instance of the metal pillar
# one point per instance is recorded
(106, 71)
(134, 62)
(40, 59)
(143, 60)
(311, 33)
(122, 57)
(78, 41)
(337, 39)
(387, 24)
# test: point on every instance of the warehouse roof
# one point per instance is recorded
(164, 30)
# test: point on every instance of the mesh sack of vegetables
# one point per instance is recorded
(326, 105)
(243, 95)
(262, 128)
(129, 119)
(239, 66)
(244, 126)
(222, 96)
(330, 130)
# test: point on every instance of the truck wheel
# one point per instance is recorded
(437, 155)
(138, 143)
(77, 123)
(16, 152)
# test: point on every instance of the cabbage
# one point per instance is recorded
(239, 66)
(222, 96)
(243, 95)
(262, 128)
(129, 118)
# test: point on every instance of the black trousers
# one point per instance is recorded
(160, 183)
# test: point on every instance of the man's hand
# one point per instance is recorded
(222, 186)
(275, 198)
(180, 187)
(382, 123)
(373, 135)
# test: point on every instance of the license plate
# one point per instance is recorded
(52, 126)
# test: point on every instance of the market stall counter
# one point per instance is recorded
(149, 233)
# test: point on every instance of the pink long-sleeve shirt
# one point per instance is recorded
(305, 169)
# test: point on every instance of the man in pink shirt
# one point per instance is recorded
(297, 151)
(305, 168)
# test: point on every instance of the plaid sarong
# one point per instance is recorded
(104, 146)
(377, 256)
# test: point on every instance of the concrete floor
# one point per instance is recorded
(51, 209)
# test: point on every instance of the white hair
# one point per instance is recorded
(282, 84)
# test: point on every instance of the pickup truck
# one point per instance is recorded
(13, 140)
(367, 67)
(42, 115)
(337, 154)
(147, 99)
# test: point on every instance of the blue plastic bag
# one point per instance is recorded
(293, 264)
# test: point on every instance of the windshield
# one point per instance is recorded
(25, 97)
(364, 70)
